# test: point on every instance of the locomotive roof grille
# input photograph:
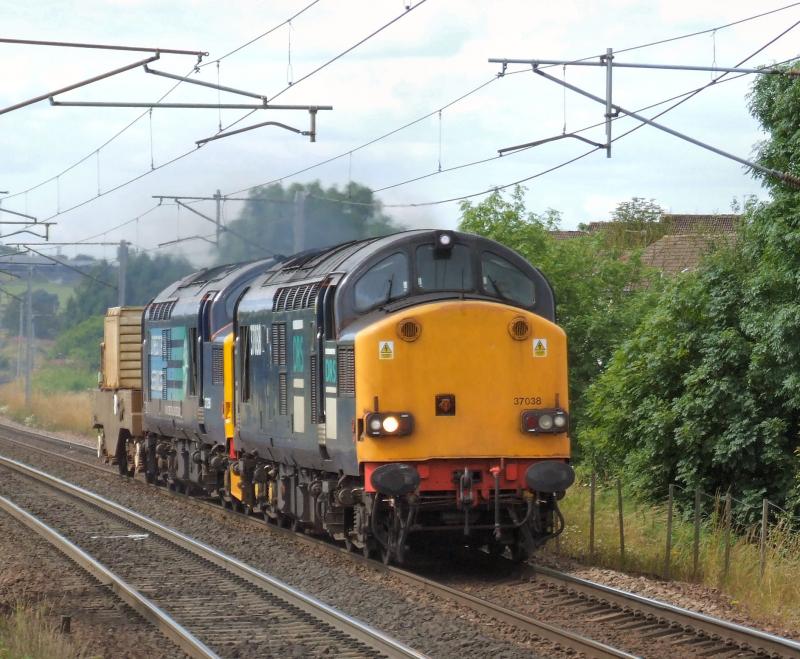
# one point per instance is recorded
(292, 298)
(161, 310)
(210, 274)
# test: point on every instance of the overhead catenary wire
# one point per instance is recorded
(142, 115)
(686, 95)
(333, 59)
(96, 150)
(173, 160)
(73, 268)
(349, 151)
(483, 85)
(715, 81)
(263, 34)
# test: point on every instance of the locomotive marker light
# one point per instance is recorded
(444, 244)
(395, 424)
(544, 421)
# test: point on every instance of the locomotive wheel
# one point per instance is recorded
(495, 548)
(122, 460)
(368, 550)
(519, 553)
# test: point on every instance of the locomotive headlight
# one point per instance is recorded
(545, 422)
(389, 424)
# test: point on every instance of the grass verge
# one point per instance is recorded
(773, 598)
(69, 411)
(30, 633)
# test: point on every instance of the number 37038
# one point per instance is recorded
(527, 400)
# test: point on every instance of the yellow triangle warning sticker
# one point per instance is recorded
(540, 347)
(386, 350)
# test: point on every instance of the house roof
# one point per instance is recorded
(567, 235)
(708, 224)
(674, 254)
(684, 223)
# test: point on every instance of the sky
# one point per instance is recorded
(72, 165)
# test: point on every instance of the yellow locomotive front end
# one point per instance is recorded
(463, 409)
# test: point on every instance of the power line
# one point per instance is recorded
(10, 294)
(686, 96)
(712, 29)
(144, 114)
(73, 268)
(119, 226)
(482, 86)
(497, 157)
(262, 35)
(95, 151)
(125, 183)
(349, 152)
(136, 120)
(784, 176)
(332, 60)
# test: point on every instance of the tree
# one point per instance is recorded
(634, 224)
(266, 224)
(45, 309)
(146, 276)
(81, 343)
(600, 296)
(706, 392)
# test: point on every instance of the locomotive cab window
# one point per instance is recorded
(385, 281)
(502, 279)
(448, 271)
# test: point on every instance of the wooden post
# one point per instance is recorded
(727, 562)
(592, 489)
(668, 549)
(763, 540)
(621, 525)
(696, 549)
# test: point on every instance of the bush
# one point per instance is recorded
(81, 344)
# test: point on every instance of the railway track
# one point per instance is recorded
(705, 635)
(207, 602)
(688, 633)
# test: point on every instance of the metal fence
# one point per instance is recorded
(712, 524)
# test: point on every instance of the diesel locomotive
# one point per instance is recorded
(388, 392)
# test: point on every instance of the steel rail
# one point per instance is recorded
(755, 639)
(483, 607)
(187, 642)
(351, 626)
(588, 646)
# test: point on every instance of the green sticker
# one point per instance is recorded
(298, 354)
(330, 370)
